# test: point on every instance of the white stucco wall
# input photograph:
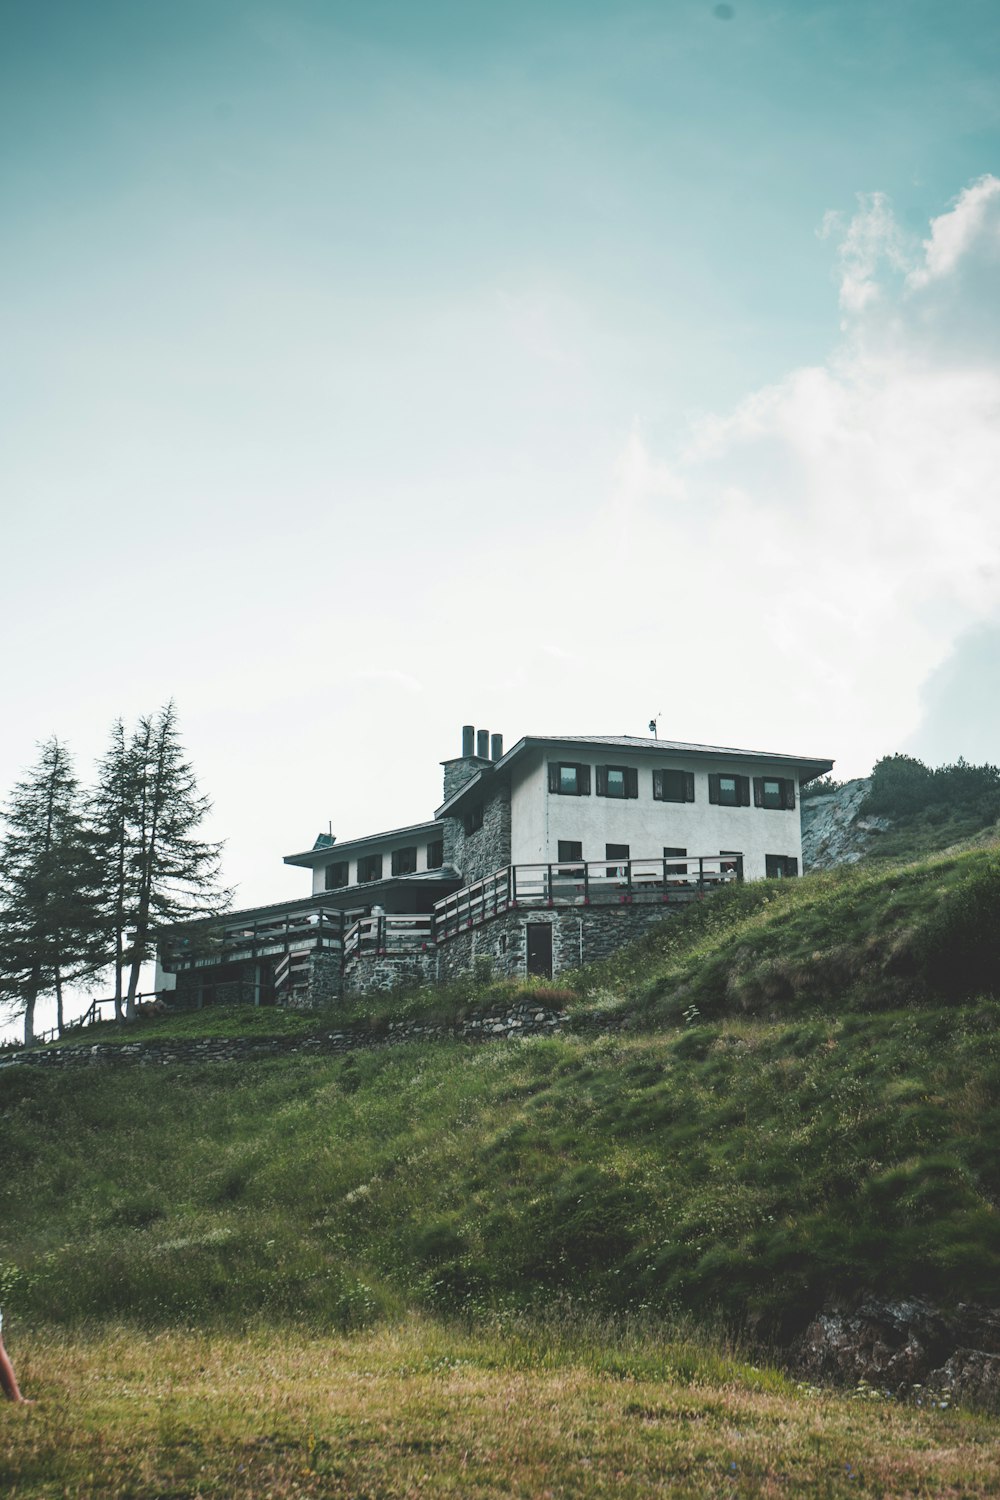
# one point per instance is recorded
(540, 818)
(377, 845)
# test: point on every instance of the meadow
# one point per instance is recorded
(560, 1265)
(420, 1408)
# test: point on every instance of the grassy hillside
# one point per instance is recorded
(811, 1104)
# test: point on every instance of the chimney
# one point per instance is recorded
(468, 741)
(483, 744)
(496, 747)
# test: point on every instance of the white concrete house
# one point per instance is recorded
(551, 854)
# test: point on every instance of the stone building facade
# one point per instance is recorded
(539, 859)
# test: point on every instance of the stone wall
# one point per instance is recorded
(580, 935)
(326, 981)
(460, 770)
(384, 972)
(477, 854)
(524, 1019)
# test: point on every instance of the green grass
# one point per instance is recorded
(421, 1408)
(495, 1269)
(445, 1004)
(857, 939)
(745, 1166)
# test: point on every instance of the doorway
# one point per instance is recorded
(540, 949)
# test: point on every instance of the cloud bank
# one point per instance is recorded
(844, 523)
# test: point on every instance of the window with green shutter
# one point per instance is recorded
(568, 779)
(617, 781)
(728, 790)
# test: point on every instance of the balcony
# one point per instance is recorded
(584, 883)
(299, 928)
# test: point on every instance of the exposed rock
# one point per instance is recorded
(896, 1346)
(969, 1375)
(833, 830)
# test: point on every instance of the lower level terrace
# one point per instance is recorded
(314, 925)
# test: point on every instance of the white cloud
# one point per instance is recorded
(971, 227)
(836, 532)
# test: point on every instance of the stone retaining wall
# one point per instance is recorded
(524, 1019)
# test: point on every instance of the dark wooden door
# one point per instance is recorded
(540, 949)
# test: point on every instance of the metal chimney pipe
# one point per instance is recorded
(496, 747)
(483, 744)
(468, 740)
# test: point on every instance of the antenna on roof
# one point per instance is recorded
(653, 725)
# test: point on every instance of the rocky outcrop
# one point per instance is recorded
(903, 1346)
(834, 830)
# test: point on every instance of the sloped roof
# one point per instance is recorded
(320, 853)
(808, 766)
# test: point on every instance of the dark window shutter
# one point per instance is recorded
(583, 780)
(743, 785)
(631, 782)
(789, 794)
(758, 791)
(602, 781)
(688, 786)
(553, 776)
(657, 786)
(713, 786)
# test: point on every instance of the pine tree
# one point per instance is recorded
(50, 915)
(110, 812)
(156, 871)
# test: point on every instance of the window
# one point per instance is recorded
(474, 819)
(780, 866)
(568, 779)
(729, 791)
(435, 854)
(731, 863)
(673, 786)
(619, 852)
(773, 791)
(673, 853)
(404, 861)
(572, 850)
(617, 781)
(369, 868)
(336, 875)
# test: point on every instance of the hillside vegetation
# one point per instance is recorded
(810, 1104)
(905, 810)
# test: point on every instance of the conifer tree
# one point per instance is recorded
(50, 913)
(110, 811)
(156, 870)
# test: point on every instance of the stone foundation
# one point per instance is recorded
(580, 935)
(497, 945)
(384, 972)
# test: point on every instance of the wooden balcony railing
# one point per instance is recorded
(601, 882)
(389, 932)
(352, 934)
(318, 927)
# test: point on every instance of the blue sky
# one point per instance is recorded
(372, 369)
